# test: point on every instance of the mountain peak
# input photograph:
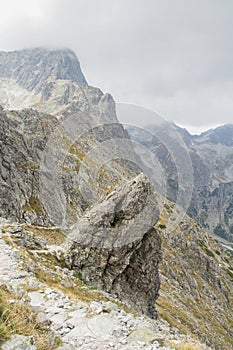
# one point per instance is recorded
(32, 68)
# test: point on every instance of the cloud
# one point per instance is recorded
(172, 56)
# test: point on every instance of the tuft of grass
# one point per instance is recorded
(209, 252)
(186, 346)
(230, 273)
(162, 226)
(57, 342)
(33, 205)
(17, 318)
(51, 235)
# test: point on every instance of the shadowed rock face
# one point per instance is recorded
(23, 136)
(115, 246)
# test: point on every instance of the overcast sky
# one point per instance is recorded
(172, 56)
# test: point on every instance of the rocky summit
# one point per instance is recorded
(93, 256)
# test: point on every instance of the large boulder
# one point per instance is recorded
(115, 247)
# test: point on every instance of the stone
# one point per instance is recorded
(144, 335)
(19, 342)
(58, 318)
(66, 284)
(115, 246)
(37, 299)
(109, 307)
(103, 324)
(43, 318)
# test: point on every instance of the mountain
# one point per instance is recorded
(55, 169)
(210, 179)
(50, 81)
(77, 213)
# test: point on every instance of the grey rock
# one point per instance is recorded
(37, 298)
(43, 318)
(66, 284)
(19, 342)
(115, 246)
(109, 307)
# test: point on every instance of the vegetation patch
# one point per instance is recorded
(185, 346)
(17, 318)
(53, 236)
(162, 226)
(33, 205)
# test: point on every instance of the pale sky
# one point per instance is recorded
(172, 56)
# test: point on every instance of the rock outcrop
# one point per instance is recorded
(115, 246)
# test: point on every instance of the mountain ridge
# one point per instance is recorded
(211, 155)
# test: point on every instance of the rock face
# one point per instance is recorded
(212, 203)
(32, 68)
(23, 136)
(116, 247)
(51, 167)
(211, 156)
(49, 175)
(51, 81)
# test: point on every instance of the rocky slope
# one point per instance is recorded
(211, 180)
(196, 280)
(65, 313)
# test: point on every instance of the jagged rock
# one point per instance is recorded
(115, 246)
(51, 81)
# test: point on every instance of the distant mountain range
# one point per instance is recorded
(211, 155)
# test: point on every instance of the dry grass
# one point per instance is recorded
(51, 235)
(185, 346)
(17, 318)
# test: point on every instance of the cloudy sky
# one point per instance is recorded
(172, 56)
